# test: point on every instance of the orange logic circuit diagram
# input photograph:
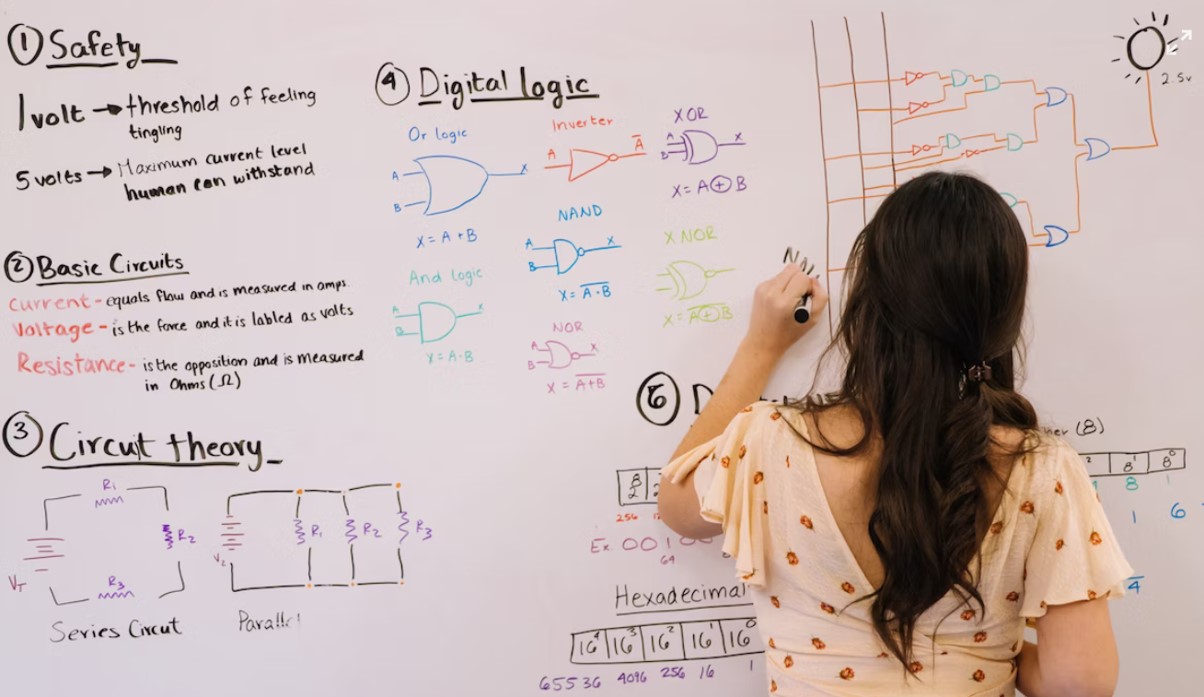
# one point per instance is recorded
(907, 121)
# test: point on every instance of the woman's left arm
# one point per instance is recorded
(772, 330)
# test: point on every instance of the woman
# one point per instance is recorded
(896, 534)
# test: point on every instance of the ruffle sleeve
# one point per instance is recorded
(1075, 556)
(724, 471)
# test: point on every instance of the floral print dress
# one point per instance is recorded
(1049, 543)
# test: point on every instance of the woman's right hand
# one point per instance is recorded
(772, 327)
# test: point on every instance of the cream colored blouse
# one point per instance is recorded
(1049, 543)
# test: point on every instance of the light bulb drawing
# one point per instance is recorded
(1146, 46)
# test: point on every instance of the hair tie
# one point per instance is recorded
(978, 373)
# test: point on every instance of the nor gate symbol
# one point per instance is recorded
(557, 354)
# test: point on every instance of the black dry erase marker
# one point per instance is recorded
(802, 309)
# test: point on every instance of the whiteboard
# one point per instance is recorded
(334, 366)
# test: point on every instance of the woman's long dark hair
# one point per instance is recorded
(936, 285)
